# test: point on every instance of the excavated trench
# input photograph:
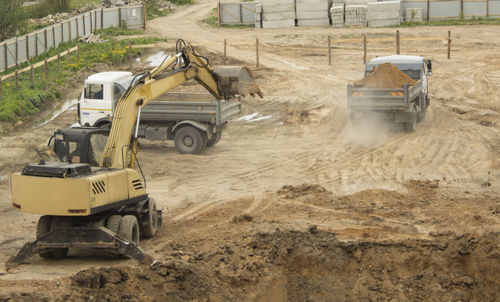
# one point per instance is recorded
(287, 265)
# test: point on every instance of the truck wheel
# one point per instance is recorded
(113, 223)
(412, 125)
(421, 114)
(189, 140)
(42, 228)
(151, 225)
(129, 229)
(214, 139)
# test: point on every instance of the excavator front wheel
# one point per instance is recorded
(129, 229)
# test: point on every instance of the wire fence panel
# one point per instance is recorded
(16, 50)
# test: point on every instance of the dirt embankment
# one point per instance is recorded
(243, 251)
(289, 265)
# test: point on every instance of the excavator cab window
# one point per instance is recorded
(97, 142)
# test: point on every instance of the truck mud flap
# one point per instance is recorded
(99, 238)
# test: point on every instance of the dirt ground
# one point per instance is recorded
(294, 203)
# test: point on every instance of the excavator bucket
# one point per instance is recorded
(236, 80)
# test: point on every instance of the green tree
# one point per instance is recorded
(12, 18)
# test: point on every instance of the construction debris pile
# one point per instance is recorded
(160, 5)
(385, 76)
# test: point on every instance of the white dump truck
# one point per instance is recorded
(405, 105)
(193, 121)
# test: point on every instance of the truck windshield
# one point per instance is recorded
(94, 92)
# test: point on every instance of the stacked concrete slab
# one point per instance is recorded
(312, 12)
(414, 15)
(278, 13)
(337, 15)
(355, 15)
(382, 14)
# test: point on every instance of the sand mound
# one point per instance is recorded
(385, 76)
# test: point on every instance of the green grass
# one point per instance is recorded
(473, 21)
(74, 4)
(30, 99)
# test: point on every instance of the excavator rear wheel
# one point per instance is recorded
(45, 225)
(42, 228)
(152, 223)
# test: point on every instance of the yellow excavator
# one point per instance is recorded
(102, 202)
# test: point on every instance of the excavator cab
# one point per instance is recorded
(79, 145)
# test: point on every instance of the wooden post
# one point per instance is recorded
(90, 18)
(5, 57)
(46, 74)
(119, 17)
(95, 21)
(77, 28)
(144, 15)
(32, 75)
(54, 35)
(62, 32)
(329, 50)
(428, 10)
(461, 9)
(0, 88)
(84, 29)
(17, 80)
(69, 30)
(487, 8)
(257, 51)
(225, 46)
(78, 50)
(364, 49)
(27, 48)
(17, 53)
(130, 55)
(45, 39)
(102, 17)
(397, 42)
(218, 14)
(449, 44)
(58, 62)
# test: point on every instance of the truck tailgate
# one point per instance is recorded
(381, 98)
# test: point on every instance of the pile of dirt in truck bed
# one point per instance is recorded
(385, 75)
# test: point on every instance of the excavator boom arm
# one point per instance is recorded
(222, 84)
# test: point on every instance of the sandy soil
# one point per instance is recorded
(296, 204)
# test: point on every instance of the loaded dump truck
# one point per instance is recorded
(394, 87)
(193, 121)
